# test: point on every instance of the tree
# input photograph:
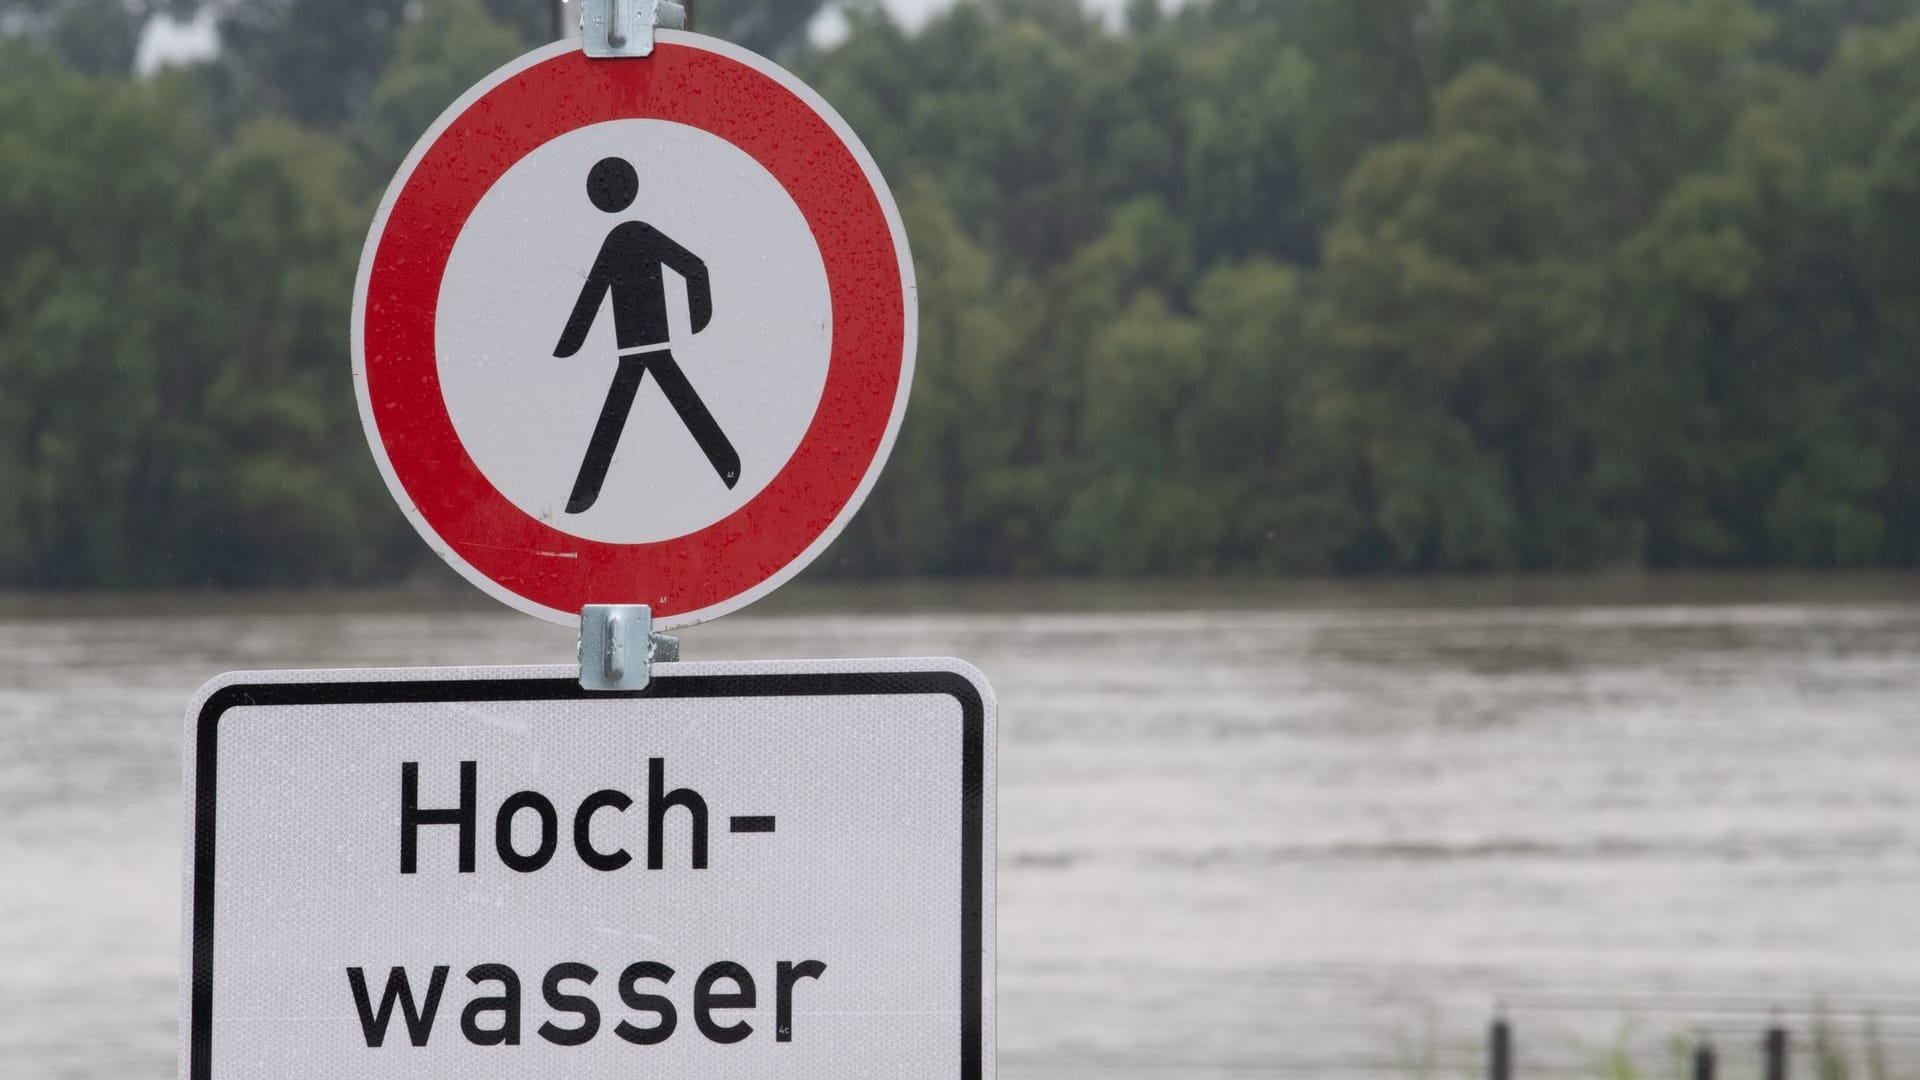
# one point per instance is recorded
(90, 170)
(1806, 32)
(445, 47)
(1243, 286)
(1663, 84)
(1455, 368)
(175, 317)
(928, 513)
(316, 61)
(94, 36)
(776, 28)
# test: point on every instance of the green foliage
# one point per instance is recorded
(1242, 286)
(174, 315)
(447, 46)
(93, 36)
(314, 60)
(777, 29)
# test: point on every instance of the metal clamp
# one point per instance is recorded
(614, 28)
(618, 647)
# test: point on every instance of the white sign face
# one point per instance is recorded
(763, 869)
(759, 360)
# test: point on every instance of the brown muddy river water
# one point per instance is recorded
(1319, 832)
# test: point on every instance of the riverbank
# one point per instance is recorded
(815, 595)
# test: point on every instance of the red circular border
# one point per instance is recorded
(784, 133)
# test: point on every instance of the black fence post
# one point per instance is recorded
(1500, 1049)
(1776, 1052)
(1703, 1060)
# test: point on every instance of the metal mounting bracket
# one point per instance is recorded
(618, 647)
(615, 28)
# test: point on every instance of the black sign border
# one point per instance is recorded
(663, 686)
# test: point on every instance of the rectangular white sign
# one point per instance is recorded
(771, 869)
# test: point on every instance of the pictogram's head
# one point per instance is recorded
(612, 184)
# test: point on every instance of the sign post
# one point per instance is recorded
(632, 337)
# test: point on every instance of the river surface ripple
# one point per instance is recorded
(1237, 842)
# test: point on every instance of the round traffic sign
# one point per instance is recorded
(634, 330)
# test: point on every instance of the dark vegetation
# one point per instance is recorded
(1258, 286)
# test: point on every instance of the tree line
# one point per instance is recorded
(1253, 287)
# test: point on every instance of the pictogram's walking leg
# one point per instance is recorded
(606, 433)
(693, 412)
(613, 420)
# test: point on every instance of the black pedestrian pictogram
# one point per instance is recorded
(629, 266)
